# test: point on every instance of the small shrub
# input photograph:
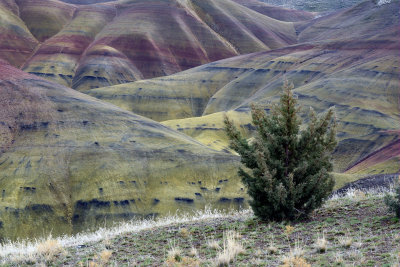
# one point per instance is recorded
(393, 202)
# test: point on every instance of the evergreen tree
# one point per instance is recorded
(286, 170)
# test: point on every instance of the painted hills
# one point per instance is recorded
(89, 46)
(358, 73)
(69, 161)
(111, 110)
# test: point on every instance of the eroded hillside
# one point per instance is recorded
(90, 46)
(357, 73)
(164, 73)
(70, 162)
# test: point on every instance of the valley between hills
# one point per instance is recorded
(113, 110)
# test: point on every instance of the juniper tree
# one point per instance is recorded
(287, 171)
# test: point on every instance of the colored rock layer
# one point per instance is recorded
(359, 74)
(69, 162)
(91, 46)
(17, 43)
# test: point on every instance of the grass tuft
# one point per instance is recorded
(49, 249)
(321, 244)
(363, 231)
(213, 244)
(232, 248)
(295, 261)
(345, 241)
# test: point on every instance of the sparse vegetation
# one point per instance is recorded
(295, 261)
(105, 256)
(49, 248)
(232, 248)
(321, 244)
(345, 241)
(357, 232)
(393, 202)
(287, 170)
(213, 244)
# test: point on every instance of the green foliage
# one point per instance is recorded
(393, 202)
(287, 170)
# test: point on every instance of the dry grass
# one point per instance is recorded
(295, 261)
(21, 250)
(175, 253)
(345, 241)
(374, 236)
(295, 257)
(271, 249)
(232, 248)
(288, 230)
(105, 256)
(193, 252)
(213, 244)
(107, 243)
(49, 249)
(183, 232)
(298, 250)
(321, 244)
(175, 258)
(184, 262)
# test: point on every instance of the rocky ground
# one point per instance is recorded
(383, 181)
(351, 230)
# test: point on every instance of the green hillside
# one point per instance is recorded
(70, 162)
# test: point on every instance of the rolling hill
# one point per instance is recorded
(112, 110)
(357, 73)
(69, 162)
(17, 42)
(91, 46)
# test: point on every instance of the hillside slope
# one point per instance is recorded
(357, 231)
(277, 12)
(359, 74)
(69, 162)
(17, 43)
(90, 46)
